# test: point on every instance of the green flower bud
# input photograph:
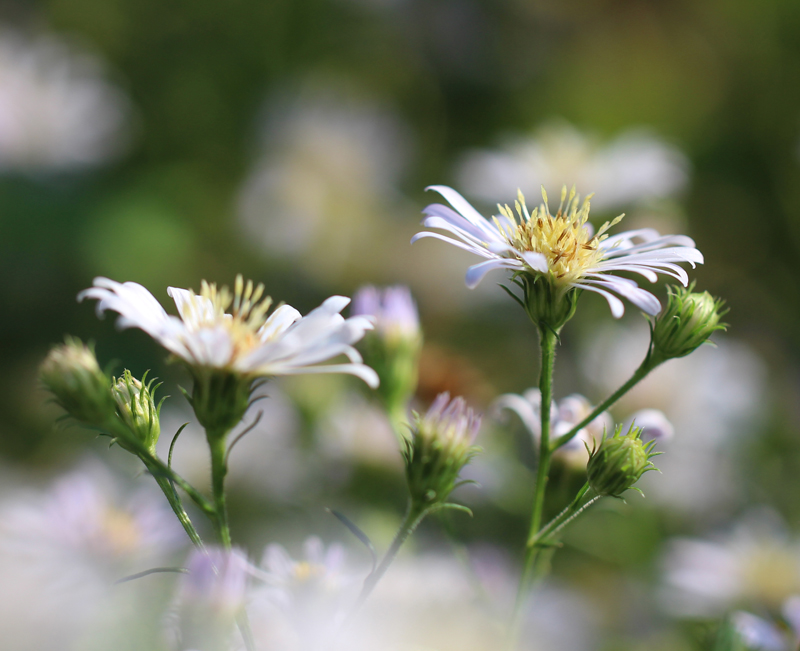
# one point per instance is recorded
(689, 319)
(220, 399)
(137, 409)
(439, 447)
(619, 461)
(547, 304)
(71, 373)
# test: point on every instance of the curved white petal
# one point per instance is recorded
(535, 261)
(523, 408)
(278, 322)
(476, 272)
(464, 208)
(359, 370)
(616, 305)
(481, 251)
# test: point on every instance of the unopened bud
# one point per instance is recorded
(689, 319)
(441, 444)
(137, 409)
(71, 373)
(393, 347)
(619, 462)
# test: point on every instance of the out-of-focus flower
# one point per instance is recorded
(440, 445)
(71, 373)
(58, 111)
(654, 425)
(433, 601)
(554, 255)
(759, 634)
(302, 602)
(563, 417)
(633, 167)
(322, 191)
(755, 565)
(62, 549)
(226, 352)
(713, 398)
(211, 596)
(393, 348)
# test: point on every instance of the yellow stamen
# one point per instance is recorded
(563, 239)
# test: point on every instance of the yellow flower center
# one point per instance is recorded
(564, 239)
(120, 532)
(305, 571)
(248, 312)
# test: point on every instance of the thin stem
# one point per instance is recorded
(414, 515)
(168, 489)
(548, 340)
(219, 468)
(638, 375)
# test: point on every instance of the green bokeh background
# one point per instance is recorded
(719, 79)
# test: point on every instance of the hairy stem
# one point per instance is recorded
(219, 468)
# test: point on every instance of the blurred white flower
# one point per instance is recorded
(433, 601)
(756, 564)
(634, 166)
(712, 398)
(393, 308)
(564, 415)
(302, 602)
(323, 188)
(211, 596)
(61, 551)
(58, 110)
(758, 633)
(245, 340)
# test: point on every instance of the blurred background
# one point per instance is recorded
(291, 141)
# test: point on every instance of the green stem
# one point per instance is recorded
(168, 489)
(562, 519)
(219, 468)
(414, 515)
(548, 340)
(638, 375)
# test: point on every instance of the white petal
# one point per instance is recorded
(359, 370)
(278, 321)
(616, 305)
(481, 251)
(477, 271)
(536, 261)
(524, 409)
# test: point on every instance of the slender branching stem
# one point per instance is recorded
(638, 375)
(415, 513)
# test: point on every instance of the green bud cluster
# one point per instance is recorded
(137, 409)
(619, 462)
(71, 373)
(440, 445)
(687, 322)
(395, 360)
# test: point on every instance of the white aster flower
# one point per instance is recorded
(563, 248)
(245, 340)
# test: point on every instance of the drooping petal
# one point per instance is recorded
(477, 272)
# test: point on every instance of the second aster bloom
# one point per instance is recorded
(440, 445)
(228, 339)
(562, 250)
(393, 348)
